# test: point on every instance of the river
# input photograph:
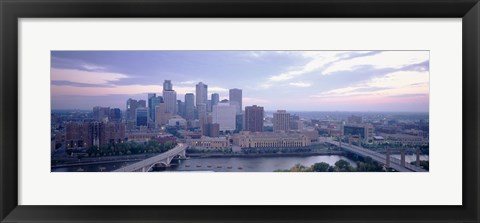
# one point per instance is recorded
(230, 164)
(222, 164)
(253, 164)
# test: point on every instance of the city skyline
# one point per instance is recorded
(287, 80)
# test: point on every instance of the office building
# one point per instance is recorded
(87, 134)
(281, 121)
(201, 91)
(181, 108)
(141, 115)
(177, 121)
(271, 140)
(170, 99)
(167, 85)
(215, 99)
(101, 113)
(235, 98)
(209, 105)
(161, 115)
(189, 106)
(224, 114)
(239, 122)
(211, 129)
(115, 115)
(253, 118)
(363, 131)
(202, 115)
(207, 143)
(153, 101)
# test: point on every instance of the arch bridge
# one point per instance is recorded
(163, 159)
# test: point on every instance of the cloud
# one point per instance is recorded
(69, 83)
(75, 64)
(187, 82)
(85, 77)
(215, 89)
(265, 85)
(318, 59)
(392, 84)
(300, 84)
(108, 90)
(256, 54)
(409, 95)
(92, 67)
(386, 59)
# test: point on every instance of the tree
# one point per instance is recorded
(423, 163)
(320, 167)
(343, 166)
(299, 168)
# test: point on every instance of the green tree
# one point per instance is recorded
(423, 163)
(320, 167)
(299, 168)
(343, 166)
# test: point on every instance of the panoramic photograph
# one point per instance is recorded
(239, 111)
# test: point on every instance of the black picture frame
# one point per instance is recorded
(11, 11)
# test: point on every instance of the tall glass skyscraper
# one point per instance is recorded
(235, 97)
(169, 97)
(153, 101)
(189, 106)
(167, 85)
(215, 99)
(201, 90)
(141, 116)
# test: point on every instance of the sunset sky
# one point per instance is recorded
(291, 80)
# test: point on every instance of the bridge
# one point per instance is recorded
(163, 159)
(387, 160)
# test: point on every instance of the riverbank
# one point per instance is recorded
(297, 154)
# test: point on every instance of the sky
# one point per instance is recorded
(394, 81)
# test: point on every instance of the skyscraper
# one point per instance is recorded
(253, 118)
(181, 108)
(235, 97)
(201, 90)
(149, 99)
(224, 114)
(132, 105)
(142, 104)
(202, 115)
(115, 115)
(167, 85)
(161, 115)
(141, 116)
(189, 106)
(170, 97)
(209, 105)
(153, 102)
(215, 99)
(281, 121)
(101, 113)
